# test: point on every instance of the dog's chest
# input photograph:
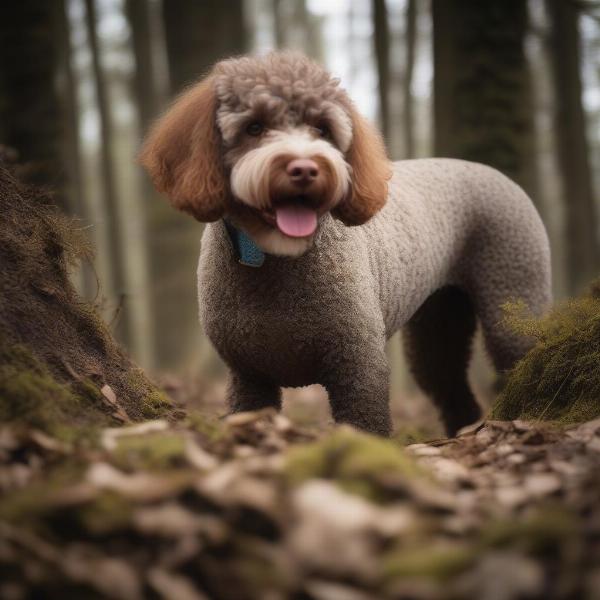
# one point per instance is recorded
(276, 320)
(263, 325)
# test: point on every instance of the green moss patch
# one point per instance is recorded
(547, 531)
(428, 562)
(357, 461)
(150, 451)
(31, 396)
(209, 427)
(559, 379)
(409, 434)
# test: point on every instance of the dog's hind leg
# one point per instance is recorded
(437, 342)
(247, 392)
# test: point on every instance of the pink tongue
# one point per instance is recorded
(296, 221)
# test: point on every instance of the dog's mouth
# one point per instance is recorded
(292, 218)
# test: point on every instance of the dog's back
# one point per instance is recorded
(452, 222)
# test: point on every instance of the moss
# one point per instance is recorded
(427, 561)
(358, 461)
(28, 504)
(559, 379)
(106, 513)
(155, 403)
(545, 531)
(150, 451)
(210, 428)
(407, 434)
(35, 507)
(30, 395)
(256, 568)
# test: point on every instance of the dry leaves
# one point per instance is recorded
(505, 510)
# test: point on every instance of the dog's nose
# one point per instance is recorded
(302, 171)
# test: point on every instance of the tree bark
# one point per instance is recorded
(279, 24)
(381, 41)
(151, 96)
(411, 37)
(108, 175)
(197, 34)
(482, 93)
(200, 33)
(571, 144)
(30, 110)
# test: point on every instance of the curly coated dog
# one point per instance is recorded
(319, 249)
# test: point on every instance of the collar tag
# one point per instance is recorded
(248, 253)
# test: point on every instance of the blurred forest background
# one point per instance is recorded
(511, 83)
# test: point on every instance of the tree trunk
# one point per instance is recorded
(381, 40)
(108, 175)
(573, 155)
(279, 24)
(30, 109)
(197, 34)
(482, 93)
(71, 147)
(200, 33)
(150, 94)
(411, 38)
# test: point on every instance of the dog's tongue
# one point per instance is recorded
(296, 221)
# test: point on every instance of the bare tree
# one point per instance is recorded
(30, 108)
(197, 34)
(108, 176)
(200, 33)
(279, 24)
(411, 38)
(482, 94)
(149, 93)
(296, 28)
(571, 144)
(381, 40)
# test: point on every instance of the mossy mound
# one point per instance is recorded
(559, 379)
(358, 462)
(56, 353)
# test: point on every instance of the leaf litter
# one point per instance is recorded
(258, 507)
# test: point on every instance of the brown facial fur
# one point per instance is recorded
(370, 173)
(183, 157)
(192, 148)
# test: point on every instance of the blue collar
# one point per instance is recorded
(247, 252)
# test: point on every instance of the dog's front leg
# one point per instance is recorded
(358, 388)
(246, 392)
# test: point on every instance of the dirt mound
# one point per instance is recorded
(58, 361)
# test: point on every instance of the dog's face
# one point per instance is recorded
(272, 143)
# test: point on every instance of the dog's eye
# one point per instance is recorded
(255, 128)
(324, 130)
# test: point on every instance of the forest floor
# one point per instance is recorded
(257, 506)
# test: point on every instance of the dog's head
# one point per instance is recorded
(273, 143)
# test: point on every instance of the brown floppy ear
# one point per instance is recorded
(182, 154)
(371, 171)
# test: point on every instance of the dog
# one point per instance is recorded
(318, 248)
